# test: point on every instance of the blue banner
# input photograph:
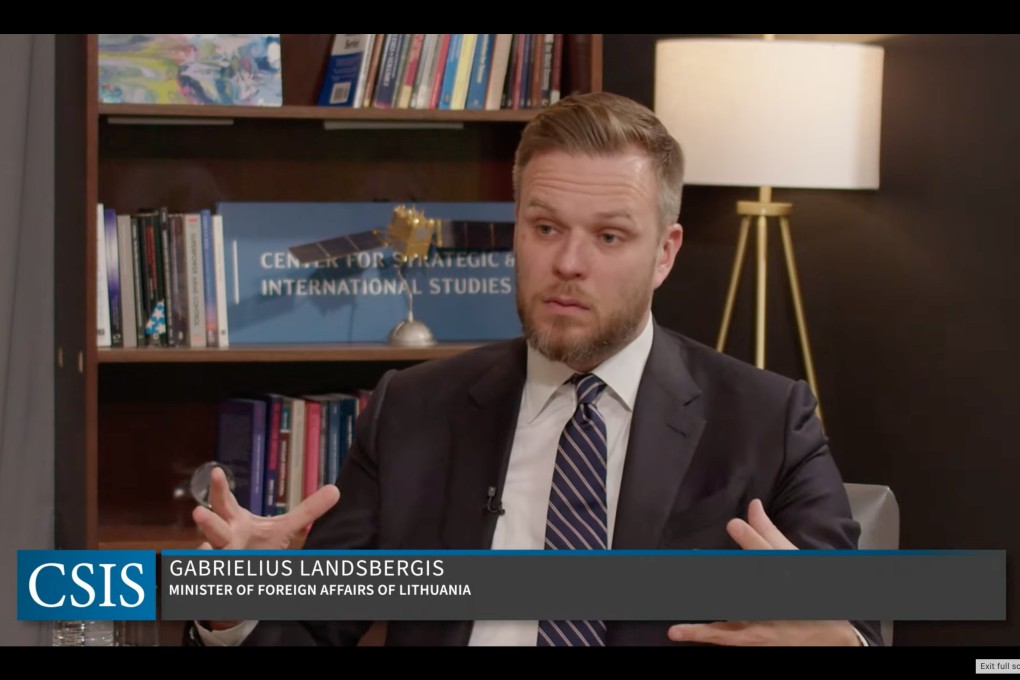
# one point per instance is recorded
(272, 299)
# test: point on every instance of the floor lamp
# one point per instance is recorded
(771, 113)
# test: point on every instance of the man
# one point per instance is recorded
(598, 429)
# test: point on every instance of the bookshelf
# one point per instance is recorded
(132, 423)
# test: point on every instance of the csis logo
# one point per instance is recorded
(98, 585)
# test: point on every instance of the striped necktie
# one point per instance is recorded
(577, 504)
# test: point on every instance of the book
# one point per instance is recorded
(127, 281)
(386, 85)
(462, 76)
(222, 329)
(103, 330)
(195, 281)
(212, 333)
(113, 279)
(190, 68)
(346, 69)
(241, 437)
(501, 48)
(481, 70)
(272, 299)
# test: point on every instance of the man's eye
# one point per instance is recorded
(544, 229)
(609, 239)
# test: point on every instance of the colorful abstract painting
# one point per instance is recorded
(225, 69)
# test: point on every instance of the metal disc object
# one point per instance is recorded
(201, 479)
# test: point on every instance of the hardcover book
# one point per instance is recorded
(190, 68)
(464, 296)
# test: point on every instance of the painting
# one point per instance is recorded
(190, 68)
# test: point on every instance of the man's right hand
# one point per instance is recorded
(228, 526)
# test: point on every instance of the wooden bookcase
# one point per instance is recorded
(132, 423)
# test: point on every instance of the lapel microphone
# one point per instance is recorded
(492, 504)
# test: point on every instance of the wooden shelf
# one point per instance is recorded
(148, 537)
(190, 111)
(155, 537)
(281, 353)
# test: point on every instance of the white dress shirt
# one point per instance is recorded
(547, 403)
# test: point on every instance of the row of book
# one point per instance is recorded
(160, 279)
(445, 71)
(282, 448)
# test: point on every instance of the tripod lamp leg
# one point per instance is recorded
(731, 295)
(798, 306)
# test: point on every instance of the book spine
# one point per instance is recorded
(296, 462)
(389, 67)
(372, 76)
(155, 325)
(439, 71)
(195, 279)
(478, 80)
(113, 277)
(209, 277)
(127, 281)
(222, 330)
(366, 62)
(103, 332)
(167, 279)
(419, 93)
(257, 457)
(463, 77)
(555, 88)
(501, 46)
(179, 280)
(417, 43)
(141, 290)
(283, 456)
(274, 408)
(313, 415)
(450, 70)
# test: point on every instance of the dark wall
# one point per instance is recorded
(911, 295)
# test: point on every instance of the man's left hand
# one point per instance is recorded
(759, 533)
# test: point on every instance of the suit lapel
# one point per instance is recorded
(481, 440)
(664, 434)
(481, 437)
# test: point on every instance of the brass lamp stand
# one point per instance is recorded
(763, 209)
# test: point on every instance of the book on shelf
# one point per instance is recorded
(481, 66)
(346, 69)
(241, 446)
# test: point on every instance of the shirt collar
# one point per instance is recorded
(621, 373)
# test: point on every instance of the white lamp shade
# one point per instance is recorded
(772, 113)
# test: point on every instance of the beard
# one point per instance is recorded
(566, 339)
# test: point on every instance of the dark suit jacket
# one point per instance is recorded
(709, 433)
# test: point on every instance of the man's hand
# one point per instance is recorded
(228, 526)
(759, 533)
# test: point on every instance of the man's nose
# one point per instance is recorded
(571, 261)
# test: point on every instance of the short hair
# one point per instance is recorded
(600, 124)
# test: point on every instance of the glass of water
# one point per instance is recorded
(137, 633)
(83, 634)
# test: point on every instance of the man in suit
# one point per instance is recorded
(598, 428)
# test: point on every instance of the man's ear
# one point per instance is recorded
(670, 244)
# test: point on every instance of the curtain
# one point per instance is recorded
(26, 315)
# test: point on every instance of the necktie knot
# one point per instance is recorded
(589, 386)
